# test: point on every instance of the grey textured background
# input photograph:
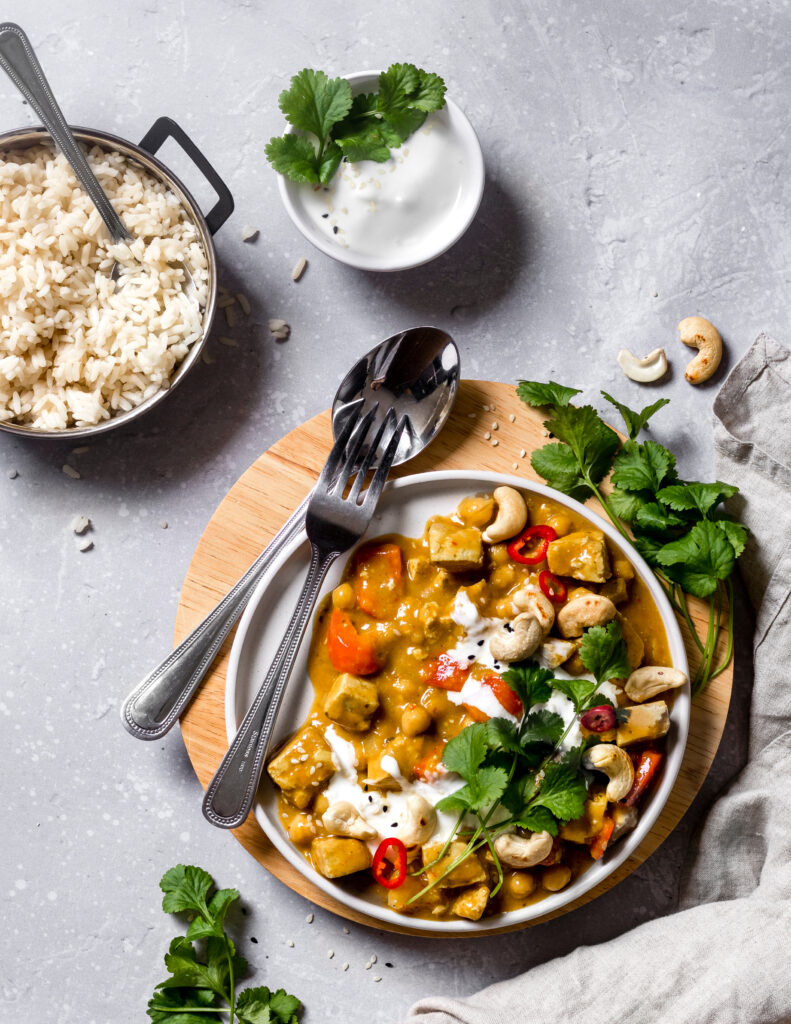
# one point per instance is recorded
(637, 161)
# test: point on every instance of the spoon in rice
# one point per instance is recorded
(20, 63)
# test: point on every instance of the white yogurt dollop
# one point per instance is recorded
(397, 207)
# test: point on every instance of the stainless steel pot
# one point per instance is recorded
(162, 129)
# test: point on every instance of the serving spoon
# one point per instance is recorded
(416, 374)
(18, 59)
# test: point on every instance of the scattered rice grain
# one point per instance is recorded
(512, 418)
(208, 360)
(522, 453)
(13, 474)
(299, 268)
(346, 967)
(249, 233)
(242, 300)
(309, 918)
(86, 545)
(225, 300)
(495, 442)
(81, 450)
(487, 436)
(230, 316)
(495, 425)
(290, 944)
(228, 342)
(163, 523)
(70, 471)
(80, 524)
(279, 329)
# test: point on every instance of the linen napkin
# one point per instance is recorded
(725, 955)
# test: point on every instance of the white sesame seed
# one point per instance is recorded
(309, 918)
(471, 415)
(80, 524)
(228, 342)
(522, 453)
(249, 234)
(487, 436)
(13, 474)
(279, 329)
(495, 425)
(242, 299)
(70, 471)
(495, 442)
(346, 967)
(486, 408)
(368, 966)
(493, 407)
(377, 978)
(163, 524)
(290, 943)
(208, 360)
(515, 465)
(330, 954)
(299, 268)
(86, 545)
(345, 931)
(512, 418)
(373, 958)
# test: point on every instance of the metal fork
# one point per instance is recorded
(333, 524)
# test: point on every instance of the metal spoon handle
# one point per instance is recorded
(232, 790)
(155, 704)
(18, 60)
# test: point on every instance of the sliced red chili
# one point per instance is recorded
(389, 863)
(530, 547)
(552, 586)
(643, 774)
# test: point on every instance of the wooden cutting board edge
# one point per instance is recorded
(260, 502)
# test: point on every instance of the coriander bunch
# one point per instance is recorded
(676, 525)
(333, 125)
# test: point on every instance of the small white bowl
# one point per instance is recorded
(455, 224)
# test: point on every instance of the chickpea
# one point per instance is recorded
(504, 608)
(435, 702)
(556, 878)
(560, 523)
(520, 884)
(302, 829)
(477, 511)
(415, 720)
(343, 597)
(498, 553)
(503, 576)
(623, 568)
(320, 805)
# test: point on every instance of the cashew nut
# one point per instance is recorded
(538, 605)
(581, 612)
(650, 680)
(343, 819)
(518, 639)
(645, 370)
(511, 516)
(699, 333)
(616, 765)
(523, 851)
(418, 823)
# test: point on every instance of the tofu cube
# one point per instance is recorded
(457, 548)
(301, 766)
(591, 821)
(469, 872)
(334, 856)
(642, 722)
(582, 555)
(471, 903)
(398, 899)
(351, 702)
(617, 589)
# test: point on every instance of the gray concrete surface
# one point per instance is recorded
(637, 162)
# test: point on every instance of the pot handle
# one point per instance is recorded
(166, 128)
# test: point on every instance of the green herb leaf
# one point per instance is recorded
(699, 559)
(530, 682)
(641, 467)
(592, 442)
(648, 547)
(539, 819)
(262, 1006)
(577, 689)
(464, 753)
(172, 1006)
(314, 102)
(696, 496)
(657, 520)
(294, 156)
(603, 653)
(186, 888)
(483, 789)
(501, 734)
(626, 504)
(557, 464)
(736, 534)
(536, 394)
(200, 928)
(635, 421)
(541, 728)
(562, 791)
(430, 93)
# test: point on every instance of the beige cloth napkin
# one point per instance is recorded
(725, 956)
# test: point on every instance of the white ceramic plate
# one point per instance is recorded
(404, 508)
(454, 225)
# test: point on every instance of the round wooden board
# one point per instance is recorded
(260, 502)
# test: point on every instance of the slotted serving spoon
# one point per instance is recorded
(19, 61)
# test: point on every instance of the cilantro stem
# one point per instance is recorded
(445, 847)
(192, 1009)
(231, 984)
(729, 649)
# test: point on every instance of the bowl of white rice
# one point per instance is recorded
(80, 354)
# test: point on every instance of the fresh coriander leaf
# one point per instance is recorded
(314, 102)
(530, 682)
(648, 547)
(405, 122)
(558, 466)
(200, 928)
(501, 734)
(295, 157)
(185, 970)
(603, 653)
(577, 690)
(541, 727)
(562, 791)
(262, 1006)
(655, 519)
(736, 534)
(329, 162)
(635, 421)
(484, 789)
(696, 496)
(464, 753)
(186, 888)
(172, 1005)
(396, 86)
(430, 93)
(539, 819)
(366, 144)
(594, 443)
(626, 504)
(642, 467)
(536, 394)
(699, 559)
(518, 794)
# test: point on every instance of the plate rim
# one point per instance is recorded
(594, 875)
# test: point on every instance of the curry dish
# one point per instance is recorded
(491, 707)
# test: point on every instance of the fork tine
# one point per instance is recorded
(385, 465)
(387, 423)
(325, 480)
(353, 447)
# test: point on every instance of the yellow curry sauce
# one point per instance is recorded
(390, 710)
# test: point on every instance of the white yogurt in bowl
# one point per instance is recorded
(401, 213)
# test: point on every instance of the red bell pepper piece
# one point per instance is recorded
(389, 863)
(445, 673)
(552, 586)
(536, 539)
(643, 774)
(602, 838)
(378, 581)
(349, 650)
(504, 694)
(427, 768)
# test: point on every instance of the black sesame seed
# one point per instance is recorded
(325, 215)
(244, 911)
(480, 643)
(254, 939)
(335, 230)
(384, 808)
(370, 798)
(394, 824)
(470, 657)
(388, 965)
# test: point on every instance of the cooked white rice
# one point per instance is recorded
(74, 350)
